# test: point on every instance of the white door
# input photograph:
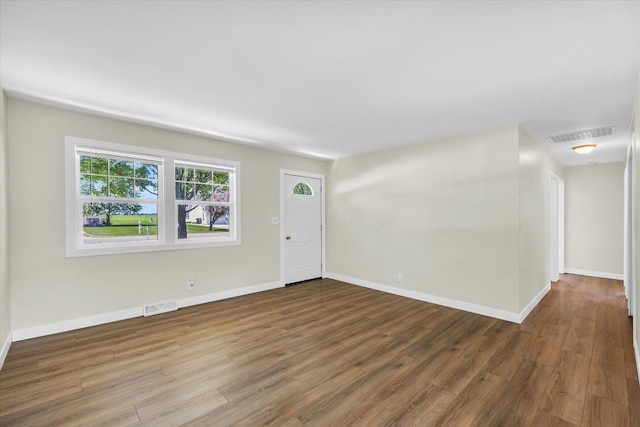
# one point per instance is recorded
(302, 228)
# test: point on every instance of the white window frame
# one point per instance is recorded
(166, 202)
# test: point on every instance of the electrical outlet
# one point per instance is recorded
(191, 284)
(400, 277)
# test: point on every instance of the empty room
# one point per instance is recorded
(319, 213)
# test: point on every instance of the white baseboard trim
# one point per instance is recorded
(99, 319)
(601, 274)
(5, 349)
(534, 302)
(447, 302)
(73, 324)
(232, 293)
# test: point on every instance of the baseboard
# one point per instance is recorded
(601, 274)
(534, 302)
(100, 319)
(5, 350)
(73, 324)
(434, 299)
(232, 293)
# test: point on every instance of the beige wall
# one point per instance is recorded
(443, 213)
(464, 218)
(534, 173)
(594, 210)
(48, 288)
(5, 295)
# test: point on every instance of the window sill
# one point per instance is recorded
(148, 247)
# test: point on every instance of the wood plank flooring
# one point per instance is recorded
(326, 353)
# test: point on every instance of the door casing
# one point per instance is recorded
(630, 266)
(323, 251)
(556, 227)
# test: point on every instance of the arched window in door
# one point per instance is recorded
(303, 189)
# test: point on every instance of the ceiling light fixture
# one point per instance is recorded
(584, 149)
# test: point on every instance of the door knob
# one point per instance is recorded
(288, 237)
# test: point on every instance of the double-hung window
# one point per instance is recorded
(124, 199)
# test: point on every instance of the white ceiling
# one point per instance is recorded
(334, 79)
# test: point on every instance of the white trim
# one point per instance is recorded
(5, 349)
(627, 235)
(561, 224)
(556, 227)
(601, 274)
(434, 299)
(554, 233)
(72, 324)
(323, 244)
(99, 319)
(534, 302)
(630, 266)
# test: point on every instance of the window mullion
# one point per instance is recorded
(169, 199)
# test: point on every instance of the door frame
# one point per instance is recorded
(630, 248)
(556, 227)
(284, 172)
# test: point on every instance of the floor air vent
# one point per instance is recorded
(582, 134)
(163, 307)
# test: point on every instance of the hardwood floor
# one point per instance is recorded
(331, 354)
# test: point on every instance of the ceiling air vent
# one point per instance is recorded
(582, 134)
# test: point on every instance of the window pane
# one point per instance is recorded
(85, 185)
(184, 191)
(146, 189)
(180, 173)
(146, 170)
(202, 176)
(302, 188)
(184, 174)
(221, 177)
(221, 193)
(85, 164)
(120, 187)
(99, 185)
(180, 191)
(120, 168)
(99, 166)
(119, 222)
(196, 222)
(203, 192)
